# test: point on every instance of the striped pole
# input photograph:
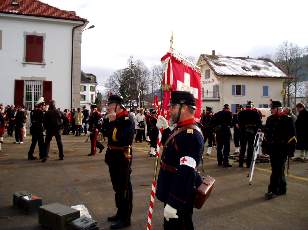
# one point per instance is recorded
(152, 198)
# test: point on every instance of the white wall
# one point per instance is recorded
(254, 90)
(57, 56)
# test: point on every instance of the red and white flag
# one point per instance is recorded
(181, 75)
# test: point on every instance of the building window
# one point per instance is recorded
(207, 73)
(215, 91)
(265, 91)
(34, 48)
(33, 91)
(82, 97)
(83, 88)
(238, 90)
(0, 39)
(92, 98)
(234, 108)
(92, 88)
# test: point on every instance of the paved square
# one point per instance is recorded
(80, 179)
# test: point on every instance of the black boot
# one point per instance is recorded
(120, 224)
(113, 218)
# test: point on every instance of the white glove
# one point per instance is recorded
(170, 212)
(162, 122)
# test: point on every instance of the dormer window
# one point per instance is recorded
(246, 68)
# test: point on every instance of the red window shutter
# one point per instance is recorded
(19, 92)
(47, 91)
(34, 48)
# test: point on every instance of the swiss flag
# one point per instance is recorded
(181, 76)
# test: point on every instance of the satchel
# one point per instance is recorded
(203, 191)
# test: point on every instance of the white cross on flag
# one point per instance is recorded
(182, 76)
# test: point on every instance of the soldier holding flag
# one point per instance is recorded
(182, 154)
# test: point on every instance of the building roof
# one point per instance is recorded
(242, 66)
(88, 78)
(37, 9)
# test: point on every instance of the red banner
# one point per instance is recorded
(180, 75)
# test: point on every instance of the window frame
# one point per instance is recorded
(263, 87)
(242, 89)
(207, 76)
(92, 87)
(81, 97)
(43, 35)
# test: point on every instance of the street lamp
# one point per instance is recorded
(90, 27)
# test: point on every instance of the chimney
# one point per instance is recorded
(213, 52)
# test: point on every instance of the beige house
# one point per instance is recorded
(236, 80)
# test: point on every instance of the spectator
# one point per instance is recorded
(301, 125)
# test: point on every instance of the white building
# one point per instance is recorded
(40, 53)
(235, 80)
(88, 90)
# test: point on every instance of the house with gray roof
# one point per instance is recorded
(236, 80)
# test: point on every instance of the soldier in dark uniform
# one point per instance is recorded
(153, 132)
(120, 133)
(208, 132)
(37, 129)
(85, 121)
(53, 122)
(249, 123)
(10, 115)
(222, 123)
(95, 125)
(177, 177)
(279, 142)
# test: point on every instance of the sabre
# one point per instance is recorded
(257, 149)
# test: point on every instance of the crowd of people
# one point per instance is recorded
(183, 140)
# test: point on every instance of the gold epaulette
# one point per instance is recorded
(291, 139)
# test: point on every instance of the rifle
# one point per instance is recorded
(256, 151)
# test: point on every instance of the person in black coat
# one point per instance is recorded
(85, 120)
(20, 121)
(181, 156)
(120, 133)
(207, 128)
(301, 125)
(279, 142)
(53, 122)
(222, 123)
(249, 122)
(36, 130)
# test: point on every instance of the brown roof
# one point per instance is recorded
(37, 9)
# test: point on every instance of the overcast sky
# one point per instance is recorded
(142, 28)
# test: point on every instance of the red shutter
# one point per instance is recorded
(34, 48)
(19, 92)
(47, 91)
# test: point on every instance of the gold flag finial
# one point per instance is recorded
(171, 41)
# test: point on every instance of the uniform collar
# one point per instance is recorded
(186, 122)
(124, 113)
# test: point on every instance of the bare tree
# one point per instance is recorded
(131, 82)
(288, 57)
